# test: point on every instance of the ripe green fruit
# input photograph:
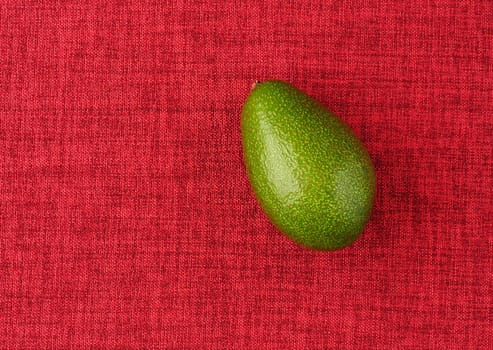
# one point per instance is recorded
(310, 173)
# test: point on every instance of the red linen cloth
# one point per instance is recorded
(126, 217)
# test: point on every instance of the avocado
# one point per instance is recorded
(310, 173)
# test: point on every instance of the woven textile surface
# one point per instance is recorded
(126, 217)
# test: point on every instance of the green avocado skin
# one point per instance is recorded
(312, 176)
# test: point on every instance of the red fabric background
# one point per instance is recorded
(126, 218)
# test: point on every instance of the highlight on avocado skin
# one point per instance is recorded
(310, 173)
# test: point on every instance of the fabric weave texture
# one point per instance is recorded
(126, 217)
